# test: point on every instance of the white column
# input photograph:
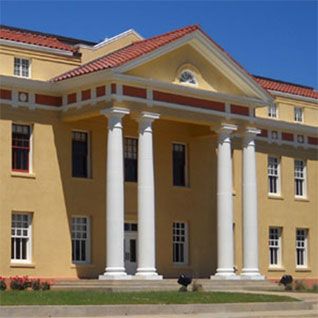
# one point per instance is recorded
(115, 268)
(146, 200)
(225, 244)
(250, 224)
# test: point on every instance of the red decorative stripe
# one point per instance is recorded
(5, 94)
(287, 136)
(134, 91)
(71, 98)
(48, 100)
(190, 101)
(264, 133)
(86, 94)
(313, 140)
(240, 110)
(113, 88)
(100, 91)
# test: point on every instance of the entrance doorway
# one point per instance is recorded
(130, 247)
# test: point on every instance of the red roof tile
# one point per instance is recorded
(127, 53)
(34, 38)
(284, 87)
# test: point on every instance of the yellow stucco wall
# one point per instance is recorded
(53, 196)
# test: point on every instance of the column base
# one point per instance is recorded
(114, 273)
(147, 273)
(225, 273)
(251, 274)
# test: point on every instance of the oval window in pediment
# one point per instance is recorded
(187, 77)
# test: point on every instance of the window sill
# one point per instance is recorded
(276, 269)
(82, 179)
(131, 183)
(305, 270)
(22, 265)
(275, 197)
(79, 265)
(26, 175)
(300, 199)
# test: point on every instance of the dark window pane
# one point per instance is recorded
(130, 159)
(179, 162)
(20, 147)
(79, 154)
(132, 250)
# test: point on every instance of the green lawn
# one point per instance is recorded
(106, 298)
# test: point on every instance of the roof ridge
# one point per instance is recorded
(44, 34)
(284, 82)
(191, 26)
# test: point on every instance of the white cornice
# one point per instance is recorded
(194, 92)
(296, 97)
(33, 47)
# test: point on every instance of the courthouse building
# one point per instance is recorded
(147, 158)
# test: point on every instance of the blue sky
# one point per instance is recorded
(276, 39)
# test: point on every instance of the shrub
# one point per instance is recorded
(19, 283)
(3, 285)
(36, 284)
(45, 286)
(300, 285)
(289, 287)
(315, 288)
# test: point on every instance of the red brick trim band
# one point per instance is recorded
(100, 91)
(313, 140)
(239, 110)
(86, 94)
(48, 100)
(287, 136)
(71, 98)
(134, 91)
(190, 101)
(264, 133)
(5, 94)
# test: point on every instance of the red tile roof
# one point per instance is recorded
(127, 53)
(285, 87)
(34, 38)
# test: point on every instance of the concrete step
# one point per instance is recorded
(166, 284)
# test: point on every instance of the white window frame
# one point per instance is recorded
(31, 146)
(276, 244)
(186, 165)
(299, 114)
(21, 59)
(185, 243)
(302, 244)
(87, 240)
(28, 259)
(277, 175)
(300, 176)
(89, 153)
(272, 111)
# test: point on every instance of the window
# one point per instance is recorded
(21, 238)
(80, 154)
(21, 148)
(187, 77)
(179, 165)
(130, 159)
(300, 178)
(275, 246)
(272, 111)
(80, 239)
(301, 247)
(273, 175)
(298, 114)
(180, 243)
(21, 67)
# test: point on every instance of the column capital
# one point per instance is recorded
(224, 131)
(146, 116)
(115, 112)
(249, 134)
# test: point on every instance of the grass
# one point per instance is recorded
(16, 298)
